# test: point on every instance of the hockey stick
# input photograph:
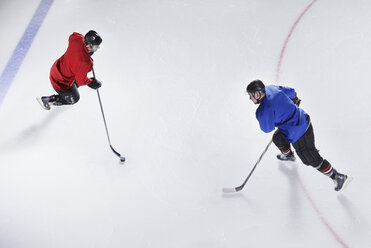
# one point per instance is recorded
(122, 159)
(232, 190)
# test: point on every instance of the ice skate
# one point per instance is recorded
(286, 157)
(341, 181)
(44, 102)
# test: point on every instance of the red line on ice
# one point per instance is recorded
(320, 215)
(288, 38)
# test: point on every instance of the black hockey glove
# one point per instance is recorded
(296, 100)
(95, 84)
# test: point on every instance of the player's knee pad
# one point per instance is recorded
(310, 157)
(71, 99)
(280, 141)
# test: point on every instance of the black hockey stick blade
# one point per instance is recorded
(122, 159)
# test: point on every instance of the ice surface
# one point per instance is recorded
(174, 74)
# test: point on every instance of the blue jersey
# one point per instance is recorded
(277, 110)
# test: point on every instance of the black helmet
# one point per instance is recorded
(92, 38)
(256, 86)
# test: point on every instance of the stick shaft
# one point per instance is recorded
(105, 123)
(236, 189)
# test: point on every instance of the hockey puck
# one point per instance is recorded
(122, 159)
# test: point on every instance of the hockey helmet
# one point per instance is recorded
(256, 86)
(92, 38)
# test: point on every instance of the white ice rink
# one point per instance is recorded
(174, 74)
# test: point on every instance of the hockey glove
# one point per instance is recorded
(296, 100)
(95, 84)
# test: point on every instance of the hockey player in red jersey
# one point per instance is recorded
(70, 71)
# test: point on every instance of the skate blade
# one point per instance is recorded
(287, 160)
(42, 104)
(346, 183)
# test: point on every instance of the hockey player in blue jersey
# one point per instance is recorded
(279, 108)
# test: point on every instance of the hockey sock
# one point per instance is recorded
(286, 152)
(326, 168)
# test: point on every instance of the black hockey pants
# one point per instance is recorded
(305, 147)
(67, 97)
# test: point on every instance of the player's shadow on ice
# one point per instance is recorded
(237, 195)
(357, 221)
(290, 170)
(30, 134)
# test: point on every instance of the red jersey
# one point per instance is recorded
(74, 65)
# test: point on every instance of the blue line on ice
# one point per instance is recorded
(19, 53)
